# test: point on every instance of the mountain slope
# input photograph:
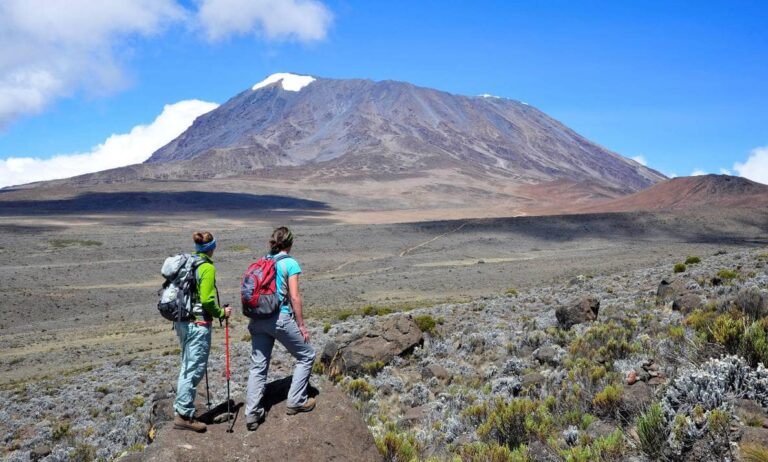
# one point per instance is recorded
(348, 128)
(713, 191)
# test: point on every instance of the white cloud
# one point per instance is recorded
(301, 20)
(725, 171)
(117, 151)
(755, 167)
(54, 48)
(640, 160)
(698, 172)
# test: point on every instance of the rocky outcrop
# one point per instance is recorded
(334, 430)
(383, 340)
(583, 310)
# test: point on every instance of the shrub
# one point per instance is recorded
(679, 268)
(475, 414)
(727, 275)
(373, 367)
(326, 327)
(130, 406)
(246, 337)
(603, 343)
(754, 344)
(677, 333)
(512, 292)
(692, 260)
(607, 401)
(360, 388)
(608, 448)
(493, 452)
(343, 315)
(396, 447)
(727, 331)
(750, 302)
(651, 429)
(318, 367)
(751, 452)
(103, 389)
(514, 423)
(426, 323)
(83, 452)
(60, 430)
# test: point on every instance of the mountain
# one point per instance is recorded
(359, 151)
(347, 129)
(711, 191)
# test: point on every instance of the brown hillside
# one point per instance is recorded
(719, 191)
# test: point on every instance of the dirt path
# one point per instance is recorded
(427, 242)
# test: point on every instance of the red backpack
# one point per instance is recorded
(258, 288)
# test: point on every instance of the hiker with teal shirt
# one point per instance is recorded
(195, 335)
(286, 326)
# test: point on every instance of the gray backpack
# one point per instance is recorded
(180, 287)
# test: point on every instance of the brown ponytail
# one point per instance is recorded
(202, 237)
(281, 239)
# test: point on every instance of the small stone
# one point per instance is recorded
(631, 377)
(39, 453)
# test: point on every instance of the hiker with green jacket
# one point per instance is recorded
(195, 335)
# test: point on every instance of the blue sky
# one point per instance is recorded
(684, 85)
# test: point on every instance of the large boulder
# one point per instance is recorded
(334, 430)
(386, 338)
(583, 310)
(668, 290)
(686, 303)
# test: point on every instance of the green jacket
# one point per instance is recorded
(206, 289)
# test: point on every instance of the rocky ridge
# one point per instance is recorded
(501, 376)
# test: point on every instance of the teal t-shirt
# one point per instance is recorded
(285, 268)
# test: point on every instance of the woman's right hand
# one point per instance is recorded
(304, 333)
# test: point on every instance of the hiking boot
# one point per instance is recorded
(258, 418)
(188, 423)
(308, 406)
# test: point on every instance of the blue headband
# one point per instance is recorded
(207, 247)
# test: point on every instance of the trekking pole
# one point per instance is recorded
(207, 389)
(226, 341)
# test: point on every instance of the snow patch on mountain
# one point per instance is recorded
(289, 82)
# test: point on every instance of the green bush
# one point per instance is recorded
(727, 275)
(397, 447)
(83, 452)
(603, 343)
(728, 331)
(515, 422)
(753, 452)
(692, 260)
(512, 292)
(130, 406)
(679, 268)
(754, 344)
(426, 323)
(60, 430)
(373, 367)
(607, 401)
(493, 452)
(360, 388)
(608, 448)
(651, 429)
(326, 327)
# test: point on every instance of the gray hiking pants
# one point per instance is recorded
(264, 332)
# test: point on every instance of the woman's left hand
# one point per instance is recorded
(304, 332)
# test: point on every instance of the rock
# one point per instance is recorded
(631, 377)
(584, 310)
(39, 453)
(549, 354)
(668, 290)
(600, 428)
(541, 452)
(754, 435)
(414, 415)
(751, 413)
(532, 379)
(386, 338)
(686, 303)
(124, 362)
(635, 399)
(334, 430)
(437, 371)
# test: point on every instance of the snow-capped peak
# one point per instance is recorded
(289, 82)
(486, 95)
